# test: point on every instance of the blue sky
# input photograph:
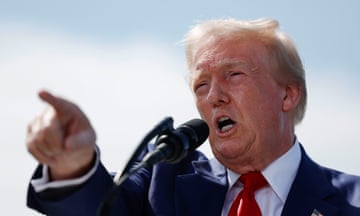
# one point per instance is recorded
(121, 62)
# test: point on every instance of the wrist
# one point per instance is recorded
(72, 171)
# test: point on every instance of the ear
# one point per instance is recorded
(291, 97)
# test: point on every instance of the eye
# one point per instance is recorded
(236, 73)
(235, 77)
(200, 87)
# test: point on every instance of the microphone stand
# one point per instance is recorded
(130, 169)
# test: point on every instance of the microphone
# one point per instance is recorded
(173, 145)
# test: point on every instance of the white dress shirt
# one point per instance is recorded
(280, 175)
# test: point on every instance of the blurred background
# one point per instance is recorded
(121, 62)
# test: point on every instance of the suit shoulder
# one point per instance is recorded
(346, 184)
(342, 179)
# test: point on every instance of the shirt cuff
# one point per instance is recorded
(44, 182)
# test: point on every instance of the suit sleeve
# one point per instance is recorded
(76, 200)
(86, 198)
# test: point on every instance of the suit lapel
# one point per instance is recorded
(309, 191)
(203, 192)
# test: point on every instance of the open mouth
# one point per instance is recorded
(225, 124)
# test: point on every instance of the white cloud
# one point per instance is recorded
(329, 131)
(124, 88)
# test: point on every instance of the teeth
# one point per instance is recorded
(225, 124)
(223, 119)
(226, 128)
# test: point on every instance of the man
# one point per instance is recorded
(249, 86)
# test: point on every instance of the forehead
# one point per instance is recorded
(247, 53)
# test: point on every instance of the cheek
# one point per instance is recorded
(251, 109)
(203, 109)
(261, 111)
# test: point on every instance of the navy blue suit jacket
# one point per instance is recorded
(197, 186)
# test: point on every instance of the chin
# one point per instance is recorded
(231, 149)
(226, 150)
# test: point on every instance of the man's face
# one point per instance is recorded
(241, 102)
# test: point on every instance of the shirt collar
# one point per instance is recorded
(280, 174)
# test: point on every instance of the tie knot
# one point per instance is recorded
(253, 181)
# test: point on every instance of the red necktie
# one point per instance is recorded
(245, 203)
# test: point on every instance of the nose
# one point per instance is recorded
(217, 94)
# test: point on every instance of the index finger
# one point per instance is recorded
(64, 108)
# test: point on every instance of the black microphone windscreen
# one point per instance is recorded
(197, 130)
